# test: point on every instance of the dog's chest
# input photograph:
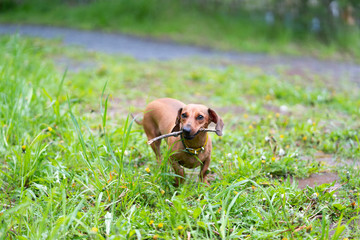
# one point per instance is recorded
(189, 160)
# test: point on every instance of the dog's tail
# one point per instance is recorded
(136, 119)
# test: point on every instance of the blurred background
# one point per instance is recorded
(321, 28)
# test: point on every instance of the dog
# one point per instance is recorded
(193, 147)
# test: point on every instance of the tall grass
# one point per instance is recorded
(37, 145)
(67, 172)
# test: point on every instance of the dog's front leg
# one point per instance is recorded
(204, 171)
(178, 171)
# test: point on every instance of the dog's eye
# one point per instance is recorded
(200, 117)
(183, 115)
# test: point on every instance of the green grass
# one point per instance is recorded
(73, 165)
(185, 23)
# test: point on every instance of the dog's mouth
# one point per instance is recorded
(188, 136)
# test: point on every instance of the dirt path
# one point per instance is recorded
(149, 49)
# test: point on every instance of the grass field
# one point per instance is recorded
(185, 23)
(74, 166)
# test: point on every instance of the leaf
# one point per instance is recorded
(197, 213)
(201, 224)
(21, 237)
(339, 206)
(131, 233)
(254, 210)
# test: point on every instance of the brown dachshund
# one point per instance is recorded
(193, 147)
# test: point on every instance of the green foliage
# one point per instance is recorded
(74, 168)
(241, 25)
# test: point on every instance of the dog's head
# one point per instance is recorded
(193, 117)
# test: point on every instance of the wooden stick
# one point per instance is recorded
(175, 134)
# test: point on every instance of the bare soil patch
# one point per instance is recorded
(318, 179)
(326, 177)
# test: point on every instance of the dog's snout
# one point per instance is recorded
(186, 129)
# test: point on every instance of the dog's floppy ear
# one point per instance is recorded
(177, 122)
(217, 120)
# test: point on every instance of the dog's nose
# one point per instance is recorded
(186, 130)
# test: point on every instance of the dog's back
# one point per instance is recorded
(164, 111)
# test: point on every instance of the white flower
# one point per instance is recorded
(229, 155)
(309, 121)
(263, 157)
(45, 235)
(291, 212)
(169, 202)
(108, 218)
(57, 177)
(281, 152)
(314, 196)
(267, 139)
(283, 108)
